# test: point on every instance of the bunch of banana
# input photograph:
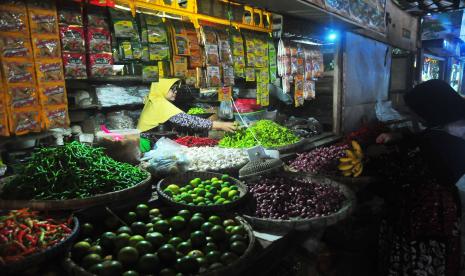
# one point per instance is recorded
(351, 165)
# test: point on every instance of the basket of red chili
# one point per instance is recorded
(29, 238)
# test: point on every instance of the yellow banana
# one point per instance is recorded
(357, 149)
(357, 167)
(359, 172)
(350, 154)
(345, 166)
(346, 173)
(345, 159)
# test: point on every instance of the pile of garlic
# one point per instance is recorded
(214, 158)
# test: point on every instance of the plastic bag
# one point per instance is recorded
(167, 157)
(225, 111)
(385, 112)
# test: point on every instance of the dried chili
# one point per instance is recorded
(192, 141)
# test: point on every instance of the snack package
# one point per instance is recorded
(40, 4)
(17, 4)
(124, 25)
(22, 96)
(43, 22)
(195, 60)
(208, 35)
(98, 40)
(308, 65)
(228, 75)
(13, 46)
(262, 75)
(72, 39)
(298, 91)
(286, 84)
(100, 65)
(317, 64)
(13, 21)
(273, 65)
(95, 20)
(250, 50)
(75, 66)
(53, 94)
(156, 34)
(180, 66)
(164, 69)
(300, 66)
(309, 90)
(213, 76)
(125, 50)
(224, 93)
(193, 40)
(201, 78)
(56, 117)
(18, 72)
(70, 16)
(150, 73)
(49, 71)
(191, 78)
(263, 94)
(24, 121)
(212, 54)
(239, 71)
(249, 74)
(4, 131)
(237, 44)
(46, 48)
(159, 52)
(181, 45)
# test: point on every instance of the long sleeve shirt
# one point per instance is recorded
(195, 123)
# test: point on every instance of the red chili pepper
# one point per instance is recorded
(3, 238)
(20, 236)
(65, 228)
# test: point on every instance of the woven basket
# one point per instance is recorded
(40, 257)
(291, 147)
(236, 267)
(184, 178)
(279, 225)
(74, 204)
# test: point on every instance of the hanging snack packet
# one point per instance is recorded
(237, 44)
(191, 78)
(308, 65)
(95, 20)
(98, 40)
(309, 90)
(250, 51)
(181, 45)
(195, 60)
(75, 66)
(43, 22)
(56, 117)
(272, 61)
(70, 16)
(239, 71)
(225, 47)
(213, 76)
(159, 52)
(156, 34)
(18, 72)
(249, 74)
(150, 73)
(40, 4)
(180, 66)
(25, 121)
(286, 85)
(72, 39)
(228, 75)
(318, 65)
(100, 65)
(46, 48)
(13, 21)
(298, 91)
(22, 96)
(4, 131)
(208, 35)
(48, 72)
(123, 24)
(212, 54)
(11, 47)
(52, 94)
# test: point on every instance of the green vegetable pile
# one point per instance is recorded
(71, 171)
(208, 192)
(196, 110)
(269, 133)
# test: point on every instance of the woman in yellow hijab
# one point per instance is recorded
(158, 109)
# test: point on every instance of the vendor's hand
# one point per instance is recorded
(385, 138)
(226, 126)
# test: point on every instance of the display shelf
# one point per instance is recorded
(24, 138)
(112, 79)
(99, 107)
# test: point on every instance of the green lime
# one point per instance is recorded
(237, 237)
(202, 261)
(96, 269)
(121, 241)
(184, 247)
(209, 239)
(196, 222)
(177, 223)
(167, 272)
(195, 253)
(220, 201)
(106, 240)
(175, 241)
(130, 273)
(232, 193)
(110, 268)
(215, 266)
(213, 256)
(215, 220)
(90, 260)
(89, 240)
(228, 258)
(128, 255)
(187, 265)
(130, 217)
(213, 191)
(142, 211)
(173, 188)
(124, 229)
(224, 192)
(198, 215)
(80, 249)
(155, 212)
(202, 192)
(144, 247)
(224, 177)
(210, 246)
(168, 192)
(198, 239)
(217, 233)
(227, 184)
(186, 214)
(135, 239)
(87, 230)
(234, 188)
(195, 181)
(206, 227)
(139, 228)
(229, 222)
(161, 226)
(214, 179)
(209, 196)
(186, 197)
(97, 249)
(238, 247)
(216, 185)
(238, 230)
(148, 264)
(226, 202)
(183, 190)
(215, 198)
(149, 225)
(229, 229)
(167, 254)
(155, 238)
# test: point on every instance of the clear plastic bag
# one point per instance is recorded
(167, 157)
(226, 110)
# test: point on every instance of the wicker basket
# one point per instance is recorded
(74, 204)
(236, 267)
(279, 225)
(40, 257)
(185, 178)
(291, 147)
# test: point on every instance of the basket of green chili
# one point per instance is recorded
(72, 176)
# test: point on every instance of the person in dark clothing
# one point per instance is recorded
(422, 236)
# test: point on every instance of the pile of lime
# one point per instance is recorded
(151, 243)
(208, 192)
